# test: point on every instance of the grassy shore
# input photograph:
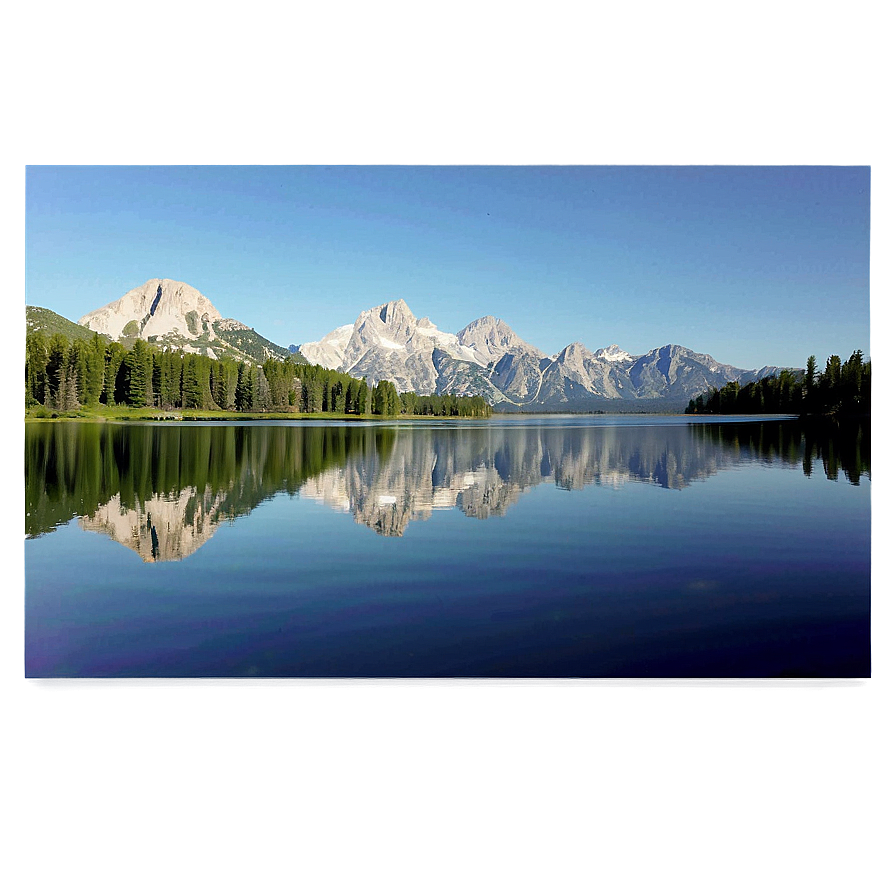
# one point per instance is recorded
(121, 412)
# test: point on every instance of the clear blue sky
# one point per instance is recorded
(753, 265)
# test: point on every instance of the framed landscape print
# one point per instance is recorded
(462, 422)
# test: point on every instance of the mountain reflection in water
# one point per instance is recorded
(162, 490)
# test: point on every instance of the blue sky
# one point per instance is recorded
(753, 265)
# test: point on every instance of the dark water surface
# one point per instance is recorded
(525, 546)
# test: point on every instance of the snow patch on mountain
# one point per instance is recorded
(614, 353)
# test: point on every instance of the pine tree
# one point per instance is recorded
(95, 360)
(351, 395)
(36, 359)
(851, 382)
(138, 375)
(191, 388)
(809, 381)
(245, 387)
(364, 398)
(278, 375)
(57, 361)
(385, 399)
(224, 384)
(263, 392)
(112, 375)
(69, 400)
(175, 363)
(77, 369)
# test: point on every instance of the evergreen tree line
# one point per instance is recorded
(63, 375)
(842, 389)
(444, 405)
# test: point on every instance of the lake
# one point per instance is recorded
(556, 546)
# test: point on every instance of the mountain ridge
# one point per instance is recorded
(388, 342)
(49, 323)
(488, 358)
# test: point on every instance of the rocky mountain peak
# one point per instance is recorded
(395, 313)
(491, 338)
(487, 321)
(175, 315)
(575, 350)
(156, 308)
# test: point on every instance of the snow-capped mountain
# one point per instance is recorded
(174, 314)
(488, 358)
(389, 343)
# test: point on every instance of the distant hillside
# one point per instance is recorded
(245, 342)
(49, 323)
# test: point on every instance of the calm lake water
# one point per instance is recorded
(629, 546)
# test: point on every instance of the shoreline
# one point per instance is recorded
(148, 415)
(153, 415)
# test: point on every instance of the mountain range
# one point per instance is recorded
(388, 342)
(488, 358)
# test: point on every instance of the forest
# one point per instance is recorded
(840, 390)
(66, 375)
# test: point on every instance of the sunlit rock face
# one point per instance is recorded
(577, 373)
(676, 371)
(166, 527)
(175, 315)
(329, 351)
(490, 339)
(156, 308)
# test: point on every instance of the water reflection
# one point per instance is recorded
(163, 490)
(834, 446)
